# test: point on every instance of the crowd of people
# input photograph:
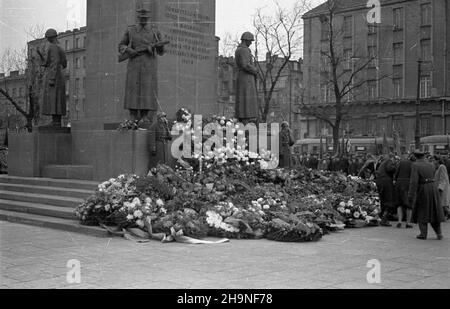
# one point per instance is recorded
(414, 188)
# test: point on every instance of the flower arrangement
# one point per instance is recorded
(128, 125)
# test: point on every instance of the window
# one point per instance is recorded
(372, 29)
(425, 47)
(348, 54)
(425, 87)
(14, 92)
(84, 83)
(372, 54)
(324, 65)
(425, 12)
(66, 46)
(77, 87)
(398, 53)
(348, 26)
(84, 41)
(325, 31)
(372, 89)
(398, 18)
(77, 63)
(425, 127)
(398, 88)
(324, 93)
(77, 44)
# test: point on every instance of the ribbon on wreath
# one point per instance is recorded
(141, 236)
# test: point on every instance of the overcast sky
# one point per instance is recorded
(232, 16)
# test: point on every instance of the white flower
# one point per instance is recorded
(137, 202)
(138, 214)
(350, 203)
(341, 210)
(260, 200)
(130, 217)
(128, 205)
(163, 210)
(107, 207)
(342, 204)
(357, 215)
(348, 211)
(160, 202)
(148, 201)
(140, 223)
(266, 207)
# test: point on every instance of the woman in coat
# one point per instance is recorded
(424, 196)
(286, 142)
(443, 183)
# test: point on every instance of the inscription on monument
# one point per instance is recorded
(186, 30)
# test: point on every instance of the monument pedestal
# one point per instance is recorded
(84, 155)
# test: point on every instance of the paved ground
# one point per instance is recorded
(33, 257)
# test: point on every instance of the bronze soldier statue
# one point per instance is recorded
(246, 96)
(54, 86)
(140, 45)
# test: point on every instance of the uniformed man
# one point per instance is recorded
(140, 45)
(424, 197)
(54, 86)
(384, 180)
(246, 95)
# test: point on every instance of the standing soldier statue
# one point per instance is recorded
(246, 96)
(140, 45)
(54, 87)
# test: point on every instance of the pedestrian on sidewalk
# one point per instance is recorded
(443, 183)
(402, 178)
(424, 197)
(385, 184)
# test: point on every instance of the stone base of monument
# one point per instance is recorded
(29, 153)
(84, 155)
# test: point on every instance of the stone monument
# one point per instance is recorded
(186, 76)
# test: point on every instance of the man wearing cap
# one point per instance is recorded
(54, 86)
(246, 96)
(424, 197)
(140, 45)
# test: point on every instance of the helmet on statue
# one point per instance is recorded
(51, 33)
(248, 36)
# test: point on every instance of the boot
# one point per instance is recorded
(423, 231)
(384, 220)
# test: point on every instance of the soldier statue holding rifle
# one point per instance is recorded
(140, 45)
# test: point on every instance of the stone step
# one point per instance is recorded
(48, 182)
(54, 223)
(76, 193)
(41, 199)
(80, 172)
(38, 209)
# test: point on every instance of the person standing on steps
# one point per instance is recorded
(424, 197)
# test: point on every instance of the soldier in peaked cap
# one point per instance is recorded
(54, 88)
(246, 95)
(141, 44)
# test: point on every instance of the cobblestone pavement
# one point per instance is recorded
(33, 257)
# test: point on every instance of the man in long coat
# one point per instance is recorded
(54, 86)
(402, 178)
(141, 44)
(424, 196)
(246, 95)
(384, 180)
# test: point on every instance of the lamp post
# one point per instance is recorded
(417, 132)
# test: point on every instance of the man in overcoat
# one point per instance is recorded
(54, 87)
(402, 179)
(246, 95)
(141, 44)
(424, 196)
(384, 180)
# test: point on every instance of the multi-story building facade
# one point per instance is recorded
(286, 95)
(15, 85)
(385, 101)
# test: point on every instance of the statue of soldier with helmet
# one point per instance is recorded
(54, 86)
(246, 96)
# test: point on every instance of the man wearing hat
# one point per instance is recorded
(54, 86)
(160, 139)
(424, 197)
(140, 45)
(246, 96)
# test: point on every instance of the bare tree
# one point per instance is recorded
(26, 62)
(344, 74)
(278, 35)
(229, 44)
